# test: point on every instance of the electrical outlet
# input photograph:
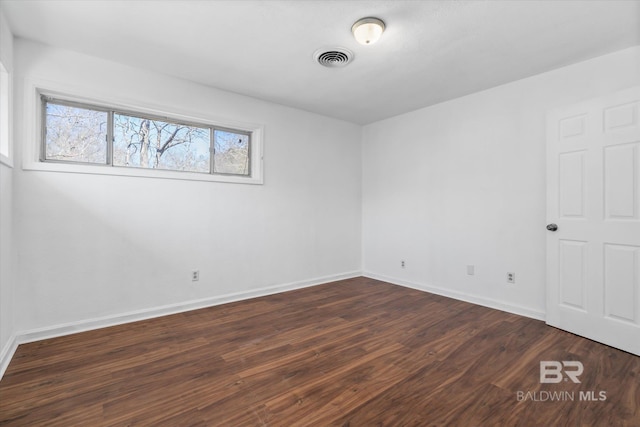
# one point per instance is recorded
(471, 270)
(511, 277)
(195, 275)
(402, 264)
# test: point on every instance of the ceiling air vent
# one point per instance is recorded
(333, 57)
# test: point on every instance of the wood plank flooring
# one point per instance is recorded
(358, 352)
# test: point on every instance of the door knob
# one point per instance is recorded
(552, 227)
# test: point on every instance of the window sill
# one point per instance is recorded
(6, 161)
(140, 173)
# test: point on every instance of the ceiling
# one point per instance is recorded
(431, 51)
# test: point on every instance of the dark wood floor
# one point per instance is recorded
(357, 352)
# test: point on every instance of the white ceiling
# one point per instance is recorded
(431, 51)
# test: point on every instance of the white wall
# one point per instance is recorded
(6, 266)
(458, 183)
(95, 246)
(463, 182)
(6, 198)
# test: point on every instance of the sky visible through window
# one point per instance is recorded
(141, 142)
(231, 152)
(76, 134)
(80, 133)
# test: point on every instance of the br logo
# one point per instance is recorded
(551, 371)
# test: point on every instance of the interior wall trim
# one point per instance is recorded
(474, 299)
(32, 335)
(102, 322)
(6, 354)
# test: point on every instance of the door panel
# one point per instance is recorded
(621, 282)
(572, 273)
(621, 189)
(572, 184)
(593, 195)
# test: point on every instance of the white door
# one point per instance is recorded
(593, 196)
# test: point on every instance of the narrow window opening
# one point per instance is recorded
(75, 132)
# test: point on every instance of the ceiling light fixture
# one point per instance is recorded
(367, 30)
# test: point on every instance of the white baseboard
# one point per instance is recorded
(102, 322)
(474, 299)
(23, 337)
(6, 354)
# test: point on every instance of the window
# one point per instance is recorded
(157, 144)
(5, 149)
(80, 133)
(75, 134)
(231, 152)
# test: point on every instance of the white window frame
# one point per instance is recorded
(34, 125)
(6, 146)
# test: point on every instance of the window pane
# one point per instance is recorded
(155, 144)
(4, 111)
(75, 134)
(231, 153)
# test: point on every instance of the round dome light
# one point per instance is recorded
(367, 30)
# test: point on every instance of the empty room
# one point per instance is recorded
(316, 213)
